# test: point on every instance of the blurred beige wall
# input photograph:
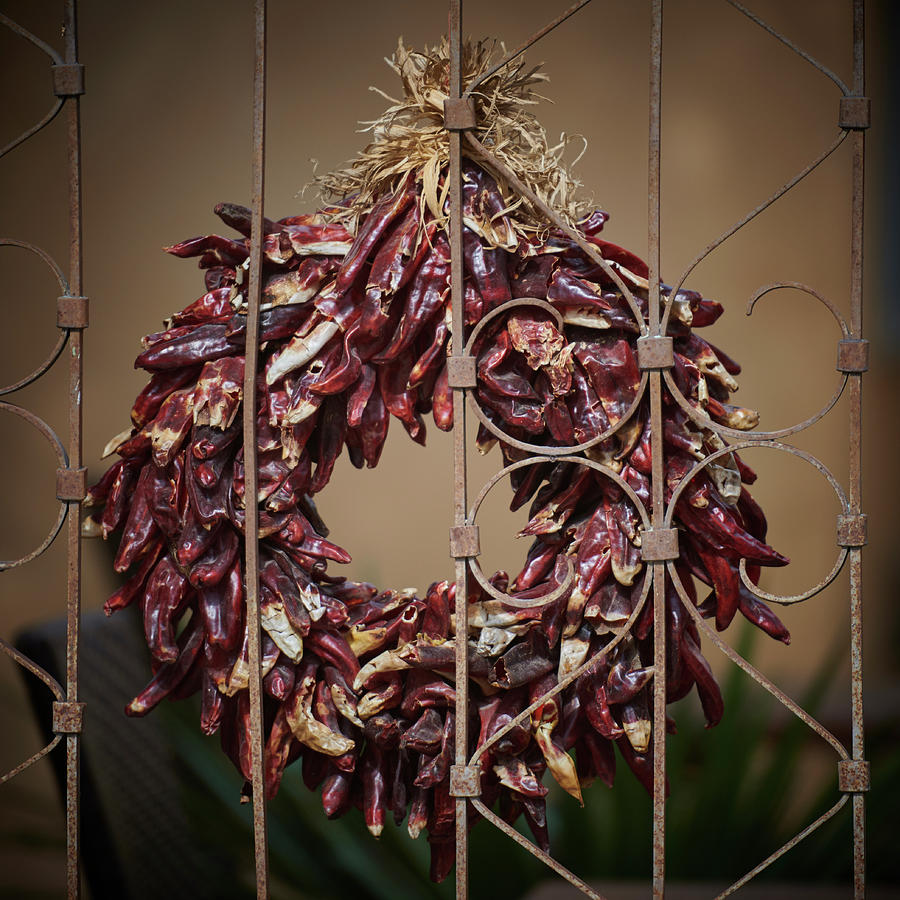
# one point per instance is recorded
(166, 135)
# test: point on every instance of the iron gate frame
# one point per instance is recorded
(660, 537)
(71, 475)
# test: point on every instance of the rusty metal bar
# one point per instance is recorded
(524, 716)
(788, 43)
(70, 474)
(460, 500)
(854, 776)
(858, 43)
(658, 472)
(57, 103)
(34, 39)
(806, 170)
(549, 861)
(73, 526)
(858, 144)
(251, 534)
(801, 835)
(788, 703)
(754, 673)
(35, 757)
(57, 691)
(543, 32)
(53, 440)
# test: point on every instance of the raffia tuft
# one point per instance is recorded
(409, 135)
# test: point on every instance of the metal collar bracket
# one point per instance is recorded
(853, 776)
(465, 781)
(659, 545)
(72, 312)
(68, 718)
(465, 541)
(655, 352)
(461, 372)
(855, 113)
(68, 79)
(853, 356)
(459, 114)
(71, 484)
(851, 531)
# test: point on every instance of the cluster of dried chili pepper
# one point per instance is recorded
(359, 683)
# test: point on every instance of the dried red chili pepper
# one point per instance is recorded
(426, 295)
(200, 344)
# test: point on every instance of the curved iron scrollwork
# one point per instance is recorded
(542, 449)
(70, 476)
(652, 384)
(63, 335)
(57, 104)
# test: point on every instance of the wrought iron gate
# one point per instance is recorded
(71, 475)
(655, 354)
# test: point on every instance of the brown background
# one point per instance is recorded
(166, 136)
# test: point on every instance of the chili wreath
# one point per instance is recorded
(354, 331)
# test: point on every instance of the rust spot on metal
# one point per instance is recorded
(852, 530)
(655, 352)
(855, 113)
(659, 545)
(853, 356)
(72, 312)
(465, 541)
(71, 484)
(459, 114)
(465, 781)
(68, 79)
(461, 371)
(68, 718)
(853, 776)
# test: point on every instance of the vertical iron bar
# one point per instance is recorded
(656, 437)
(73, 526)
(251, 536)
(460, 500)
(858, 143)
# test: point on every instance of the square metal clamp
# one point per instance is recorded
(459, 114)
(855, 113)
(853, 776)
(72, 312)
(853, 356)
(71, 484)
(68, 718)
(852, 531)
(465, 781)
(465, 541)
(461, 372)
(659, 545)
(655, 352)
(68, 79)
